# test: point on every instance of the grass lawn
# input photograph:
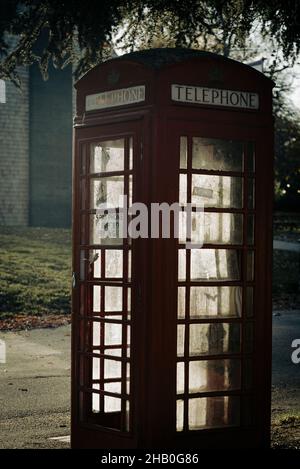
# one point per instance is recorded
(35, 271)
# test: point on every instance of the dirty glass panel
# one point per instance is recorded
(179, 415)
(113, 299)
(251, 193)
(96, 298)
(107, 192)
(250, 266)
(214, 375)
(112, 334)
(180, 378)
(183, 189)
(106, 229)
(107, 156)
(217, 155)
(181, 302)
(251, 157)
(215, 264)
(214, 339)
(180, 340)
(213, 412)
(215, 302)
(181, 264)
(183, 152)
(113, 263)
(250, 230)
(217, 191)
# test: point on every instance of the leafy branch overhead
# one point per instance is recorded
(85, 32)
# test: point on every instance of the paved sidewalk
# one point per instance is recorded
(35, 388)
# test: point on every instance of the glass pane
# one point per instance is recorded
(214, 339)
(96, 333)
(251, 157)
(180, 378)
(106, 229)
(107, 192)
(113, 263)
(181, 265)
(130, 153)
(180, 340)
(113, 299)
(113, 334)
(217, 155)
(181, 302)
(214, 375)
(215, 302)
(107, 156)
(183, 152)
(223, 228)
(96, 299)
(112, 369)
(250, 230)
(250, 266)
(183, 189)
(112, 404)
(179, 415)
(211, 412)
(215, 264)
(217, 191)
(251, 194)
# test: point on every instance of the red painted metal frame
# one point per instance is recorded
(156, 126)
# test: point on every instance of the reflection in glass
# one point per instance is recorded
(215, 264)
(217, 191)
(215, 302)
(213, 412)
(214, 339)
(214, 375)
(107, 156)
(217, 155)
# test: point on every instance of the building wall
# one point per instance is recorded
(50, 148)
(14, 153)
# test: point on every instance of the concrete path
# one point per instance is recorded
(35, 388)
(35, 382)
(286, 246)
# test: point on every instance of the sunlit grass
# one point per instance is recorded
(35, 271)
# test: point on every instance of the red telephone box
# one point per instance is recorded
(172, 342)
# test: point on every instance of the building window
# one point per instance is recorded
(2, 92)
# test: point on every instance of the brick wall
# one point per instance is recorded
(14, 153)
